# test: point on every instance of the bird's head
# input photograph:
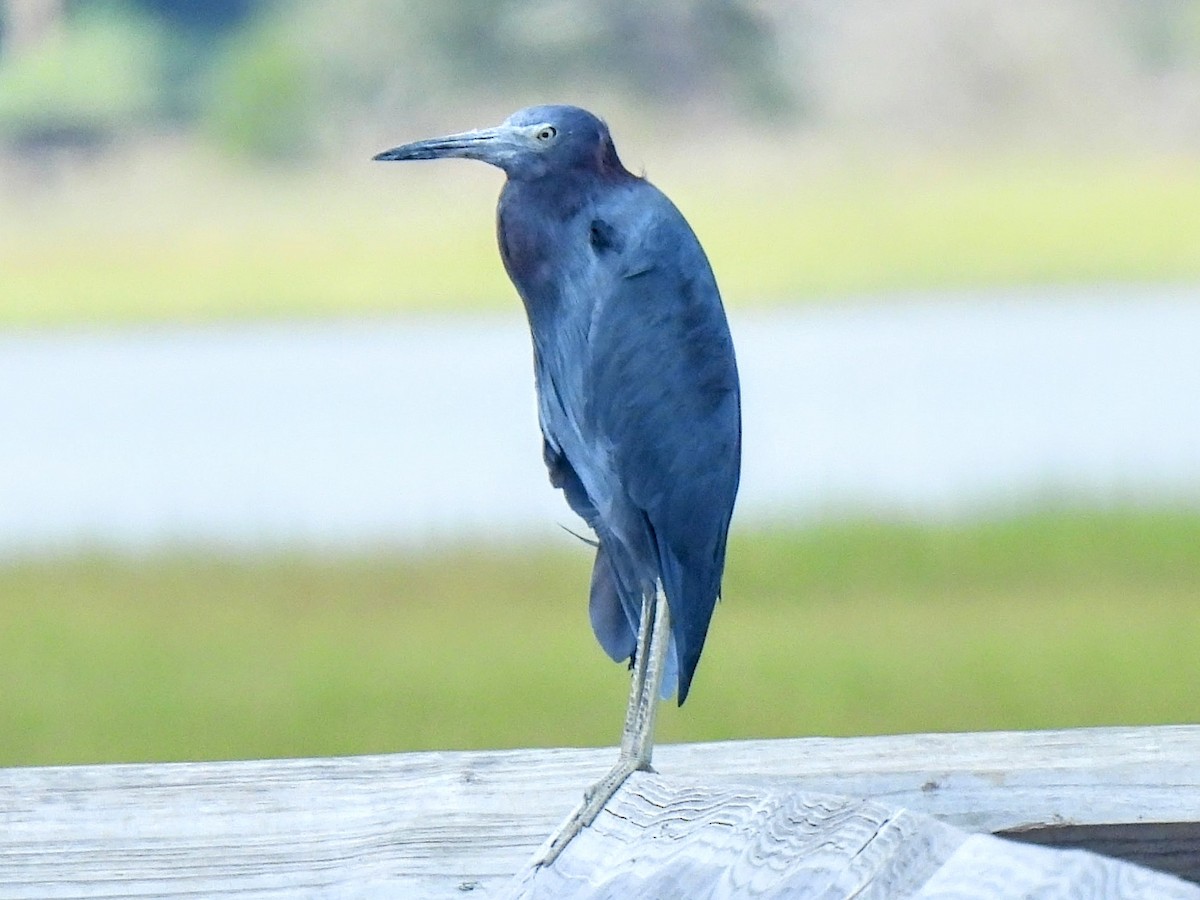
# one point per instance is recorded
(529, 144)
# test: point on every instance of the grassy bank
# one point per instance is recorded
(180, 239)
(1043, 621)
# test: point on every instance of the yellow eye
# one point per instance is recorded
(546, 133)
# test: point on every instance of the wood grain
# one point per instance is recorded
(667, 838)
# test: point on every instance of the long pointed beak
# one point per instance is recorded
(490, 145)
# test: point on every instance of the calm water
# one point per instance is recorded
(407, 431)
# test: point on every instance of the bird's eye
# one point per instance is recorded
(546, 133)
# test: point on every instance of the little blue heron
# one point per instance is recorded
(637, 391)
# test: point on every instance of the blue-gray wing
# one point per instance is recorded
(661, 393)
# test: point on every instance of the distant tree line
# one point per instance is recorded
(286, 78)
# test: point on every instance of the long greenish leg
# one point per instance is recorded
(637, 737)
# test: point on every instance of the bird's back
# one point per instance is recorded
(637, 394)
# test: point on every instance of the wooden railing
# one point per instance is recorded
(827, 817)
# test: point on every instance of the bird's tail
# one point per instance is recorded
(691, 595)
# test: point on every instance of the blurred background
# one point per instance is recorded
(270, 477)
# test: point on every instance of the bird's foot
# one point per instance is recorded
(595, 799)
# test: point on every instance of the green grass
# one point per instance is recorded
(955, 225)
(182, 240)
(1048, 620)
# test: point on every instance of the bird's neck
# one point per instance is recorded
(533, 223)
(553, 199)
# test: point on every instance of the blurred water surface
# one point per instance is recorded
(364, 432)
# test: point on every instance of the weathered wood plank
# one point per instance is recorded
(985, 781)
(440, 825)
(669, 837)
